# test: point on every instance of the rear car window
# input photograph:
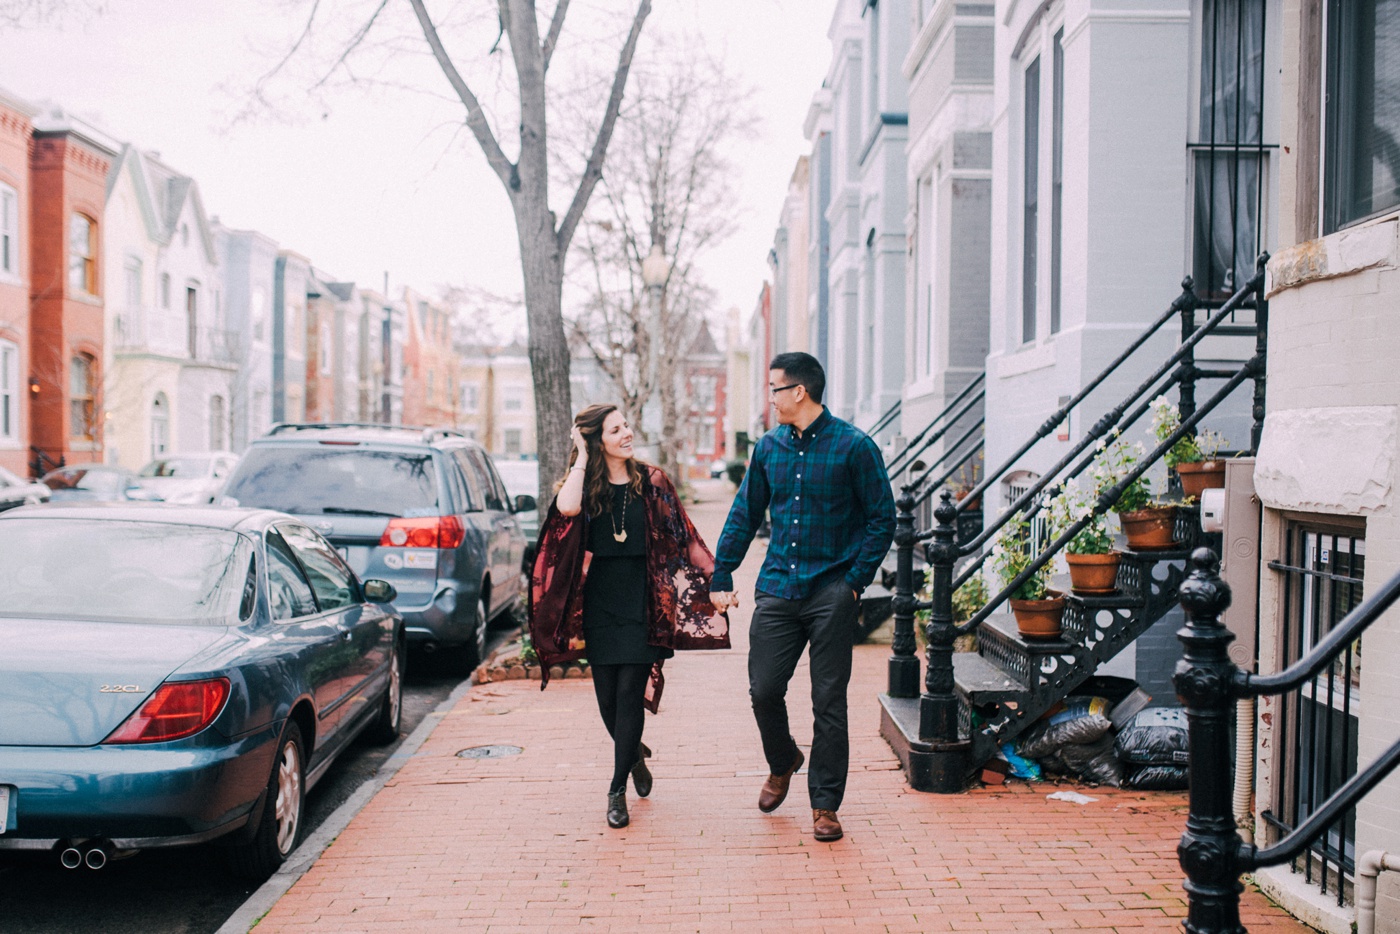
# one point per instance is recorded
(146, 571)
(331, 479)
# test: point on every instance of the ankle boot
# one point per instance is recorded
(617, 810)
(641, 775)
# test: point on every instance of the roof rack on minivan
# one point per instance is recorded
(429, 435)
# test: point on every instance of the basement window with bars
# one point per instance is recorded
(1315, 731)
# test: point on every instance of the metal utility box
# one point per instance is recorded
(1240, 560)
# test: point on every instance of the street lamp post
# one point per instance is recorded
(656, 270)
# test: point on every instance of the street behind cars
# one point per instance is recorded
(522, 479)
(423, 509)
(175, 675)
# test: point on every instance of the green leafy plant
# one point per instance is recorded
(1012, 553)
(1116, 459)
(1191, 448)
(969, 598)
(1068, 507)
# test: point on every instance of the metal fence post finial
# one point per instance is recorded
(904, 663)
(1210, 848)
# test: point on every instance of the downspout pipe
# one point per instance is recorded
(1244, 769)
(1368, 867)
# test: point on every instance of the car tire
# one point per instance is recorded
(384, 728)
(462, 659)
(279, 826)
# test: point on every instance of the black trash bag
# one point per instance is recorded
(1081, 720)
(1158, 778)
(1154, 736)
(1092, 762)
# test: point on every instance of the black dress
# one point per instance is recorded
(614, 595)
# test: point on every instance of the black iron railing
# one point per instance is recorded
(938, 703)
(41, 463)
(969, 398)
(1211, 850)
(884, 421)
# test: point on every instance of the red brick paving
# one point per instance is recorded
(520, 845)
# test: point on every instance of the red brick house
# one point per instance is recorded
(706, 375)
(68, 183)
(16, 130)
(431, 371)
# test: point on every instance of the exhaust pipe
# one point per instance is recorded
(96, 857)
(70, 858)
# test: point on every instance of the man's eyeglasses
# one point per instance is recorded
(774, 390)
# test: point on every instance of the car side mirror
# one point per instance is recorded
(525, 502)
(377, 591)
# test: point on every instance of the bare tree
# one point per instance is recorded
(667, 184)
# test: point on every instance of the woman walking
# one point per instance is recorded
(621, 578)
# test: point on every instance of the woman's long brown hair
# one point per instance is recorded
(597, 493)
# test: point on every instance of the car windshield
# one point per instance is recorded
(122, 571)
(106, 483)
(519, 476)
(314, 480)
(182, 467)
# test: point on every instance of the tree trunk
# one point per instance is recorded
(549, 357)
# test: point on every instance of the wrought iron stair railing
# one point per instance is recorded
(1211, 850)
(971, 702)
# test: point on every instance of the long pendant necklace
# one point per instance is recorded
(620, 534)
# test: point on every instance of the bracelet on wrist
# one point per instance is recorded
(575, 467)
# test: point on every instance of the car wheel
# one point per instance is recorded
(463, 659)
(280, 824)
(385, 727)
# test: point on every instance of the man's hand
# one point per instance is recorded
(723, 601)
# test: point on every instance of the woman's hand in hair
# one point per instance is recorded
(580, 444)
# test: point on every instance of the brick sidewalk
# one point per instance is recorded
(519, 844)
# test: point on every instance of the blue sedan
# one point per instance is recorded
(173, 675)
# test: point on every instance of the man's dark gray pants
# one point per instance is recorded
(777, 634)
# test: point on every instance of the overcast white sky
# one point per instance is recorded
(369, 181)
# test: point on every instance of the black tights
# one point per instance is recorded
(621, 690)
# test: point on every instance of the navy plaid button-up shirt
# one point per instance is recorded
(831, 505)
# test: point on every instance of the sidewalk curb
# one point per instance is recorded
(304, 856)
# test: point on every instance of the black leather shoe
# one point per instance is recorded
(617, 810)
(641, 775)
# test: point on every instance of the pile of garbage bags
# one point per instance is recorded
(1085, 737)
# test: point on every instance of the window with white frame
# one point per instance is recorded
(9, 392)
(512, 440)
(1042, 84)
(82, 398)
(1361, 157)
(9, 232)
(160, 425)
(82, 254)
(471, 399)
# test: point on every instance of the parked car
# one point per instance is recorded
(717, 468)
(420, 508)
(99, 482)
(188, 478)
(17, 491)
(522, 480)
(179, 674)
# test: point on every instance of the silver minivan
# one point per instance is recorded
(423, 509)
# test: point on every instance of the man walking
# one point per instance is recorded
(824, 483)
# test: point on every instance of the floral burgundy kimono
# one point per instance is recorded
(679, 614)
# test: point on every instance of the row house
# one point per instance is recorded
(172, 367)
(247, 261)
(68, 165)
(333, 342)
(739, 397)
(704, 376)
(431, 368)
(16, 130)
(497, 406)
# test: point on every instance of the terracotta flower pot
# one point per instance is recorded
(1039, 619)
(1203, 475)
(1153, 528)
(1093, 574)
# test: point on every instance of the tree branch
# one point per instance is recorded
(354, 44)
(594, 170)
(476, 117)
(556, 24)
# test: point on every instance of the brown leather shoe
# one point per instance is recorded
(775, 787)
(825, 824)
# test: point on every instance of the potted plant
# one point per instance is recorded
(967, 600)
(1037, 608)
(1193, 456)
(1147, 524)
(1093, 564)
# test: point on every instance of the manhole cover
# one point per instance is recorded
(490, 752)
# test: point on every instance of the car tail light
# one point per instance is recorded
(177, 709)
(430, 532)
